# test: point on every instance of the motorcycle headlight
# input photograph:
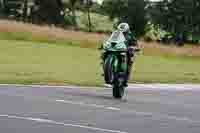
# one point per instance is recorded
(121, 47)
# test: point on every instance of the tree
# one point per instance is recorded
(48, 11)
(1, 7)
(25, 9)
(177, 16)
(130, 11)
(72, 8)
(13, 8)
(136, 16)
(88, 5)
(1, 4)
(115, 8)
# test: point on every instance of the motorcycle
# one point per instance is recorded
(115, 63)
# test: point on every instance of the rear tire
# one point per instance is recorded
(118, 92)
(118, 88)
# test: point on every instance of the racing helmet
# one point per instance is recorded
(123, 27)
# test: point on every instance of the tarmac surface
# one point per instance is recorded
(152, 108)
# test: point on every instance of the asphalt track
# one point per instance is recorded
(155, 108)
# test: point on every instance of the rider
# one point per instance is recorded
(131, 43)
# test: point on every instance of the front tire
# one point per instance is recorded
(108, 70)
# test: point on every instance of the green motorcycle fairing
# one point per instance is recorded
(116, 47)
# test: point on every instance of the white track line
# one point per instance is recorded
(88, 105)
(154, 87)
(51, 86)
(39, 120)
(153, 115)
(165, 87)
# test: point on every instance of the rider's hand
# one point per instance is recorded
(136, 47)
(131, 50)
(100, 47)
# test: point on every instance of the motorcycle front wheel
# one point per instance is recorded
(108, 70)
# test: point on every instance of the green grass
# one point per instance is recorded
(28, 63)
(167, 69)
(60, 63)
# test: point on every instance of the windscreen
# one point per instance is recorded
(117, 37)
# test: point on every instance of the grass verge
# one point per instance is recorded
(26, 62)
(32, 54)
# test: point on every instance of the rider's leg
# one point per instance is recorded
(130, 55)
(130, 64)
(128, 69)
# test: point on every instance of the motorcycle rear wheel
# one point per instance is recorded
(118, 88)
